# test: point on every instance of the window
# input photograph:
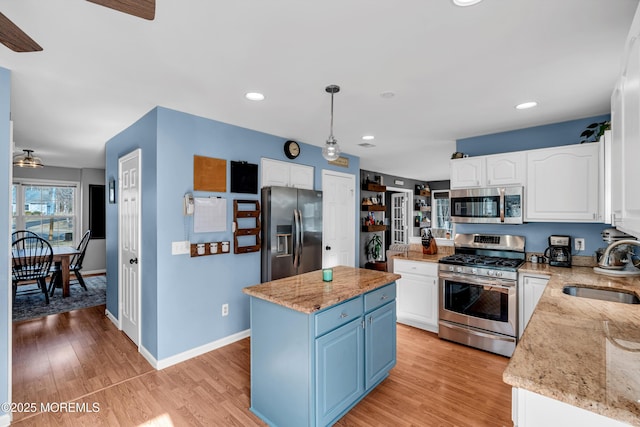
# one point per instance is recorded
(442, 227)
(48, 209)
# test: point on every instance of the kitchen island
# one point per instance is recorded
(317, 348)
(578, 360)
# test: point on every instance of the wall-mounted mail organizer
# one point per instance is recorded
(246, 226)
(209, 248)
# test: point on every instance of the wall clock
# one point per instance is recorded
(291, 149)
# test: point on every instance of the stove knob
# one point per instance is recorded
(474, 270)
(499, 274)
(490, 273)
(451, 268)
(459, 269)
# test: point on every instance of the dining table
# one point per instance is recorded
(63, 255)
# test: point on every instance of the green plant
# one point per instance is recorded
(594, 131)
(374, 246)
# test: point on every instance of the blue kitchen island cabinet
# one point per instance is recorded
(318, 348)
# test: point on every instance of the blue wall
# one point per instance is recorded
(5, 185)
(182, 296)
(537, 234)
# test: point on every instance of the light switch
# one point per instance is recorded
(179, 248)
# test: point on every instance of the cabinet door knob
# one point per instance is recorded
(343, 315)
(328, 247)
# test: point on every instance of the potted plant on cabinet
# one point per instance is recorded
(594, 131)
(374, 247)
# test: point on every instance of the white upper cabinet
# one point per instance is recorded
(506, 169)
(286, 174)
(629, 127)
(563, 184)
(488, 171)
(467, 172)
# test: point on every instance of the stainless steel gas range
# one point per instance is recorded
(479, 292)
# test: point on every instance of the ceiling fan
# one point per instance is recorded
(17, 40)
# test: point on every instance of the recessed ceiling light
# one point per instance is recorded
(387, 95)
(254, 96)
(465, 2)
(368, 137)
(525, 105)
(366, 145)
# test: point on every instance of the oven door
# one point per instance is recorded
(481, 302)
(487, 205)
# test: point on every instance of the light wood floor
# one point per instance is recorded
(80, 357)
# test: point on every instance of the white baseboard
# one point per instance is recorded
(147, 355)
(93, 272)
(112, 318)
(186, 355)
(5, 420)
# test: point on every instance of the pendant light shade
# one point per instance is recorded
(331, 150)
(27, 160)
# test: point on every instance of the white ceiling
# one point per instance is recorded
(456, 72)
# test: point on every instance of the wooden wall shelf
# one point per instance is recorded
(369, 228)
(373, 208)
(374, 187)
(207, 249)
(251, 231)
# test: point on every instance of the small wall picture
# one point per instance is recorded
(112, 190)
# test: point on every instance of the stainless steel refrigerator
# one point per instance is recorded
(291, 232)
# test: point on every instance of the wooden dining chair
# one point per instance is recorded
(31, 259)
(19, 234)
(75, 265)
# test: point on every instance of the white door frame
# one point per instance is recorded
(408, 212)
(121, 160)
(352, 177)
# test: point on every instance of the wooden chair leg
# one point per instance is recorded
(43, 285)
(80, 279)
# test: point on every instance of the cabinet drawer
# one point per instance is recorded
(338, 315)
(375, 299)
(415, 267)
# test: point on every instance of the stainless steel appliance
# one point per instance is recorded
(479, 292)
(559, 251)
(291, 232)
(499, 205)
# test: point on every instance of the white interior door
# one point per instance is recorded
(338, 219)
(129, 247)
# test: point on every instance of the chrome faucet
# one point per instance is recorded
(604, 260)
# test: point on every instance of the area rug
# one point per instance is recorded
(32, 306)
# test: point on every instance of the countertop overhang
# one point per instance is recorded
(308, 293)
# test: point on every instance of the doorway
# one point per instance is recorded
(401, 200)
(338, 213)
(129, 230)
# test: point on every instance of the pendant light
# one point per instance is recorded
(331, 150)
(27, 160)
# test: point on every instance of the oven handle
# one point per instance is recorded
(502, 205)
(495, 283)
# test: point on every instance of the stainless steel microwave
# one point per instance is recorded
(496, 205)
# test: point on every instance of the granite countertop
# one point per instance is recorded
(307, 292)
(581, 351)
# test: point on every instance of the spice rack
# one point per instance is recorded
(246, 214)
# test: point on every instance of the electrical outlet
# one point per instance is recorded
(179, 248)
(225, 309)
(579, 244)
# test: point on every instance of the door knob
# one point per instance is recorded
(133, 261)
(328, 248)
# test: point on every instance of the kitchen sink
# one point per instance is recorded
(613, 295)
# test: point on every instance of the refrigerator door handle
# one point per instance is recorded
(296, 239)
(301, 236)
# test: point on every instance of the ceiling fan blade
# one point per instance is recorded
(141, 8)
(14, 38)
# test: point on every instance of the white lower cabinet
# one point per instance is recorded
(530, 289)
(529, 409)
(417, 297)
